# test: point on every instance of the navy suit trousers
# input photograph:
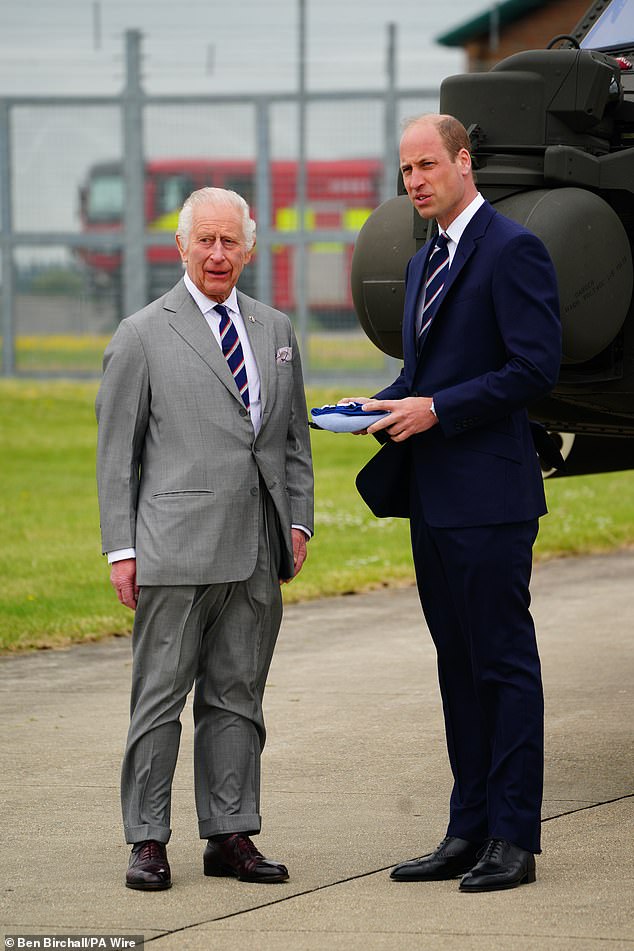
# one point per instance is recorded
(474, 590)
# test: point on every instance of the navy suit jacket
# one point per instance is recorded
(493, 348)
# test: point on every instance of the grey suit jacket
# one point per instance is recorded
(179, 468)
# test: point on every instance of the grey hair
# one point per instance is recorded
(216, 197)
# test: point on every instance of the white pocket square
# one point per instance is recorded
(284, 355)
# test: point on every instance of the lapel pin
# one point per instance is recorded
(252, 318)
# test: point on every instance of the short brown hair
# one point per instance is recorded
(452, 132)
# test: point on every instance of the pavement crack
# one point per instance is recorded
(349, 878)
(593, 805)
(269, 904)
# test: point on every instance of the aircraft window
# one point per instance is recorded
(614, 29)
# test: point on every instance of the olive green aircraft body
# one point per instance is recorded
(552, 135)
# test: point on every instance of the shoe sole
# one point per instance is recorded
(215, 871)
(149, 886)
(527, 880)
(431, 877)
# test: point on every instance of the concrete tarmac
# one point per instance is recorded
(355, 779)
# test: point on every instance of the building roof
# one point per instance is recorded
(507, 12)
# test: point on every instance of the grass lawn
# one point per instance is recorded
(55, 582)
(341, 352)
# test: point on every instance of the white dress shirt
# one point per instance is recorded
(454, 232)
(457, 227)
(206, 306)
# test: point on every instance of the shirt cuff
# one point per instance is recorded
(307, 532)
(120, 553)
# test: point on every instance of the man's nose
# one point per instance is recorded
(217, 251)
(417, 178)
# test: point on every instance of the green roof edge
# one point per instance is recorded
(508, 12)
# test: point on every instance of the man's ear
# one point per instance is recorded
(181, 250)
(464, 157)
(249, 254)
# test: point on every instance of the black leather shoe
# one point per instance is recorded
(452, 858)
(149, 869)
(238, 857)
(502, 865)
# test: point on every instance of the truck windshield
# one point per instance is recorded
(105, 198)
(614, 30)
(171, 192)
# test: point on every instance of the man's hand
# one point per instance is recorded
(355, 399)
(299, 552)
(123, 580)
(407, 417)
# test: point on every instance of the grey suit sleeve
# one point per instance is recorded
(299, 467)
(122, 408)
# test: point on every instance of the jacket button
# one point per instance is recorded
(244, 412)
(254, 490)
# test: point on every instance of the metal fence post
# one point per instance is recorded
(390, 155)
(134, 269)
(263, 192)
(390, 125)
(301, 248)
(6, 245)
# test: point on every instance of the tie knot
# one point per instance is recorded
(222, 310)
(441, 241)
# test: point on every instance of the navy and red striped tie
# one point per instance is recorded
(232, 349)
(437, 268)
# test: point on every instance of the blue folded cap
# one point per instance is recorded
(348, 418)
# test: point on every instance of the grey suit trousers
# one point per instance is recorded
(219, 639)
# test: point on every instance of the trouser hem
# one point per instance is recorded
(242, 822)
(134, 834)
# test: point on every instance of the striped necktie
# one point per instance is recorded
(437, 268)
(232, 349)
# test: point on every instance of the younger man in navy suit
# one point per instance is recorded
(482, 340)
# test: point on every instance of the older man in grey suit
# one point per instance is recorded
(205, 492)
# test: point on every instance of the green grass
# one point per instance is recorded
(343, 352)
(55, 587)
(61, 353)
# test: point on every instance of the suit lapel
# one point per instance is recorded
(466, 247)
(415, 272)
(468, 244)
(188, 322)
(258, 330)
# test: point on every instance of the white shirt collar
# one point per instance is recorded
(206, 304)
(458, 225)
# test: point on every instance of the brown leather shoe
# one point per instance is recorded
(148, 869)
(238, 857)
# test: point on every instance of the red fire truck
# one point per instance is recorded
(340, 194)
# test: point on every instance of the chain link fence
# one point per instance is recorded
(90, 189)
